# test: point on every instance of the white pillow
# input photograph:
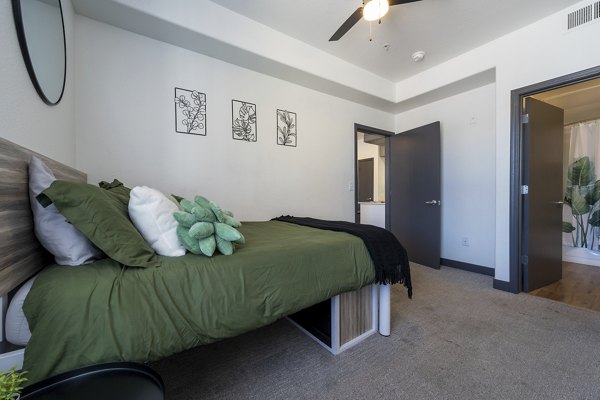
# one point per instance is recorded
(152, 214)
(17, 328)
(55, 233)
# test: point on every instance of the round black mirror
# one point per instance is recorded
(41, 33)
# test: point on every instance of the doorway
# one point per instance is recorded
(406, 197)
(575, 94)
(580, 253)
(371, 174)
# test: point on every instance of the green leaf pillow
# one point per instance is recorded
(101, 215)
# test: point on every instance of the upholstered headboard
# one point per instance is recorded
(21, 255)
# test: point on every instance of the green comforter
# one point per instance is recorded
(108, 312)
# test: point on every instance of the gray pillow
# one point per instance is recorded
(55, 233)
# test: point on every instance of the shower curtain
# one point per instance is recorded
(581, 213)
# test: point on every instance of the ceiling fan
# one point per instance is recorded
(373, 10)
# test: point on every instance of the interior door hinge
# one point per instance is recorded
(524, 189)
(525, 118)
(524, 259)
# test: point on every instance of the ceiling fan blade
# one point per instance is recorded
(396, 2)
(350, 22)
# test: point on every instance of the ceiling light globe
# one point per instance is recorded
(375, 9)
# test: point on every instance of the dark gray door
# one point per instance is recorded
(365, 179)
(413, 210)
(542, 209)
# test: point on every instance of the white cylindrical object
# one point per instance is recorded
(384, 310)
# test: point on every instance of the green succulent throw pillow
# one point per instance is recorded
(204, 227)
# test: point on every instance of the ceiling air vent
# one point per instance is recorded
(584, 15)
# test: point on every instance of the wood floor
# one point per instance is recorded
(580, 286)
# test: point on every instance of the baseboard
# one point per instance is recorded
(504, 286)
(480, 269)
(581, 255)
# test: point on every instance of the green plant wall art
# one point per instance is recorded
(190, 112)
(243, 120)
(582, 196)
(286, 128)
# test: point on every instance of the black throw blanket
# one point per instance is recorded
(388, 255)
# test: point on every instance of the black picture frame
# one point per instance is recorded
(190, 103)
(287, 128)
(244, 122)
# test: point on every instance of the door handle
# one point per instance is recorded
(558, 203)
(434, 203)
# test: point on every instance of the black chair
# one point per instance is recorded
(114, 381)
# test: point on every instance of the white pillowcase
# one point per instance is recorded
(17, 328)
(55, 233)
(152, 214)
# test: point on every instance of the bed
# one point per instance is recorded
(106, 311)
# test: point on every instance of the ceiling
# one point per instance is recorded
(580, 101)
(288, 40)
(443, 29)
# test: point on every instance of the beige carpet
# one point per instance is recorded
(457, 339)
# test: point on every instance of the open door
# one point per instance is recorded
(414, 207)
(543, 194)
(365, 179)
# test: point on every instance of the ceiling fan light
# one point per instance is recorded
(375, 9)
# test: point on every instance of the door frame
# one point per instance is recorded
(375, 131)
(515, 283)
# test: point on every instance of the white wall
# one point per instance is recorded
(211, 20)
(26, 119)
(468, 171)
(125, 129)
(536, 53)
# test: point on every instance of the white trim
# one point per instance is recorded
(357, 340)
(329, 349)
(335, 324)
(375, 302)
(580, 255)
(11, 359)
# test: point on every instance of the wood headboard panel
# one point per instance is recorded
(21, 255)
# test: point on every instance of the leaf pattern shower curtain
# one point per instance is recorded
(581, 214)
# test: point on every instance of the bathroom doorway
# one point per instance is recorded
(580, 282)
(577, 206)
(370, 151)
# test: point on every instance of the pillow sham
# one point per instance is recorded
(17, 327)
(152, 214)
(102, 217)
(54, 232)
